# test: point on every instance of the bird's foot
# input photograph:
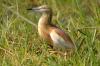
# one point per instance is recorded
(65, 55)
(57, 53)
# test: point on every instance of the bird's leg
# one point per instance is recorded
(53, 51)
(65, 54)
(68, 53)
(59, 53)
(56, 51)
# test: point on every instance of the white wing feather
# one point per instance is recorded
(58, 41)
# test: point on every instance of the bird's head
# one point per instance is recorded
(41, 9)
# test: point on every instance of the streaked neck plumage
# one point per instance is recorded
(45, 19)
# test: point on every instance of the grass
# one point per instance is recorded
(20, 44)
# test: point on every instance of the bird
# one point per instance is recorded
(60, 40)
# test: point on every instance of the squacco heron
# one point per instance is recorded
(58, 38)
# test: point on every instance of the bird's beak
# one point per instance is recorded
(34, 9)
(29, 9)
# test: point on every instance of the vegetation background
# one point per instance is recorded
(20, 44)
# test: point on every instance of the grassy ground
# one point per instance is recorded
(20, 44)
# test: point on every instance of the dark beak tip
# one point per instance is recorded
(29, 9)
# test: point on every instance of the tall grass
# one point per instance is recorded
(20, 44)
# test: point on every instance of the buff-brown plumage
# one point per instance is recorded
(58, 38)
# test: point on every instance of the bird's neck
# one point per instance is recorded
(45, 20)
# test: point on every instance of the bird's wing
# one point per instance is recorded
(59, 37)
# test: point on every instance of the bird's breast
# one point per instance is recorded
(44, 33)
